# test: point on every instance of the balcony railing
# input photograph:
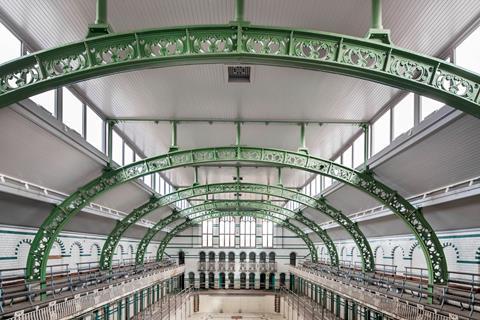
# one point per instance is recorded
(243, 266)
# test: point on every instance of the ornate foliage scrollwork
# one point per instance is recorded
(409, 69)
(265, 44)
(315, 49)
(60, 215)
(363, 57)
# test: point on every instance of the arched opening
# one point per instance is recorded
(202, 280)
(202, 257)
(181, 258)
(211, 280)
(251, 257)
(271, 257)
(221, 280)
(231, 257)
(293, 259)
(191, 279)
(211, 256)
(271, 281)
(243, 280)
(282, 279)
(231, 280)
(263, 257)
(243, 256)
(221, 256)
(263, 280)
(251, 280)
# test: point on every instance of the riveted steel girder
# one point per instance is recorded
(62, 213)
(278, 212)
(351, 56)
(216, 214)
(321, 205)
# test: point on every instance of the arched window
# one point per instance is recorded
(267, 234)
(243, 256)
(251, 257)
(202, 257)
(263, 257)
(251, 281)
(231, 257)
(282, 279)
(247, 232)
(211, 256)
(181, 258)
(207, 233)
(221, 256)
(243, 280)
(202, 280)
(191, 279)
(293, 259)
(221, 280)
(231, 280)
(211, 280)
(263, 279)
(227, 232)
(271, 257)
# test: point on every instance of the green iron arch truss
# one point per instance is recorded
(237, 43)
(320, 204)
(257, 214)
(62, 213)
(253, 206)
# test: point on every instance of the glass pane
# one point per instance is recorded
(72, 111)
(117, 148)
(347, 157)
(94, 129)
(148, 180)
(128, 155)
(359, 151)
(466, 54)
(381, 132)
(46, 100)
(328, 182)
(428, 106)
(403, 115)
(11, 47)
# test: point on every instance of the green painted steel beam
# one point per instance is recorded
(252, 206)
(62, 213)
(209, 215)
(320, 205)
(238, 43)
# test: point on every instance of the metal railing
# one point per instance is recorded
(357, 288)
(79, 304)
(171, 307)
(229, 266)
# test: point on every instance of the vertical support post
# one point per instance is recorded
(303, 147)
(239, 10)
(195, 177)
(101, 17)
(238, 133)
(366, 144)
(376, 29)
(174, 146)
(101, 26)
(110, 125)
(377, 14)
(279, 177)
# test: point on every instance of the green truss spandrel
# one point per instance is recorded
(209, 215)
(355, 57)
(261, 207)
(321, 205)
(62, 213)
